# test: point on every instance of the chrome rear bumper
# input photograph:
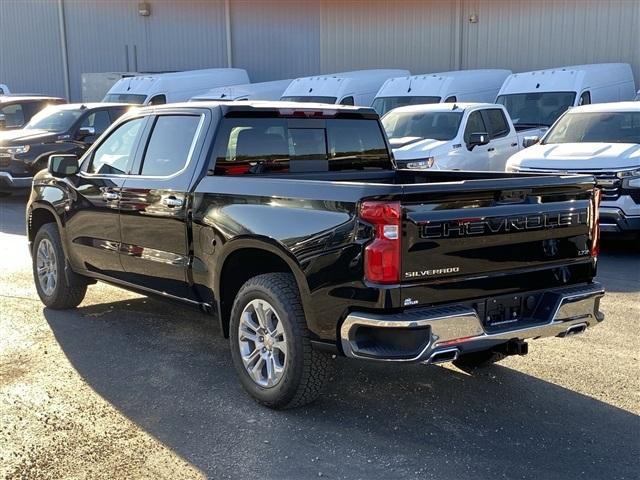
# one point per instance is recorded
(563, 312)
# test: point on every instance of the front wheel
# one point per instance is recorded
(56, 288)
(270, 344)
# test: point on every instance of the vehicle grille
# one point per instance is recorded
(608, 182)
(5, 160)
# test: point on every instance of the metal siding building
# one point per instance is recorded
(276, 39)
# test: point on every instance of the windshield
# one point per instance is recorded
(383, 104)
(329, 100)
(433, 125)
(536, 109)
(54, 119)
(124, 98)
(600, 127)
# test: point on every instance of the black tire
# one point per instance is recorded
(305, 369)
(481, 359)
(70, 288)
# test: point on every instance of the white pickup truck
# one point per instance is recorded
(455, 136)
(602, 140)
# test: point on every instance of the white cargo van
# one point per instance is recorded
(537, 99)
(345, 88)
(154, 89)
(458, 86)
(248, 91)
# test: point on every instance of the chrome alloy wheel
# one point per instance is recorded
(46, 267)
(263, 344)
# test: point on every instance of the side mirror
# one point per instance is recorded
(84, 132)
(3, 121)
(528, 141)
(477, 139)
(63, 165)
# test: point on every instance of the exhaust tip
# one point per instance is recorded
(575, 329)
(442, 356)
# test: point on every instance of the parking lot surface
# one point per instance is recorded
(132, 387)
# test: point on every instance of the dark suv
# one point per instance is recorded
(17, 110)
(68, 128)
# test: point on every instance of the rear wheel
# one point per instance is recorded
(270, 344)
(481, 359)
(56, 288)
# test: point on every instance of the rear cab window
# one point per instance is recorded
(250, 146)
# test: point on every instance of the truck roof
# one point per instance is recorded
(565, 79)
(444, 107)
(22, 97)
(630, 106)
(437, 84)
(341, 83)
(249, 106)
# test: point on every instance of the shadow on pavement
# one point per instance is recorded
(167, 369)
(617, 254)
(12, 213)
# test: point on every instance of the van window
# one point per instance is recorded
(115, 154)
(475, 124)
(158, 100)
(347, 101)
(279, 145)
(451, 99)
(535, 109)
(310, 99)
(384, 104)
(124, 98)
(496, 123)
(169, 145)
(585, 98)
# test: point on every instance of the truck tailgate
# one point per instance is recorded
(477, 238)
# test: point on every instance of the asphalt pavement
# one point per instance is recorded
(132, 387)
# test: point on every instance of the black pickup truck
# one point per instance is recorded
(292, 225)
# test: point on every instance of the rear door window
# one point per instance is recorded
(99, 120)
(169, 145)
(496, 122)
(279, 145)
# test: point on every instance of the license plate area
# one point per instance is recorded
(508, 311)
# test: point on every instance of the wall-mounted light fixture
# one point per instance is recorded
(473, 18)
(144, 9)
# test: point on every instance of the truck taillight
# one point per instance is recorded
(382, 255)
(595, 222)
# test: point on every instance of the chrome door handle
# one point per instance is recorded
(109, 196)
(172, 202)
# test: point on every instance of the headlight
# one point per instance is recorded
(630, 178)
(421, 164)
(18, 150)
